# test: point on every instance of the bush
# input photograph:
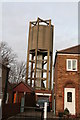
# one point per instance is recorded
(66, 112)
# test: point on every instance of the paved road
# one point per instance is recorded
(29, 115)
(36, 115)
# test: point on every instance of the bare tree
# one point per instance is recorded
(7, 55)
(17, 69)
(21, 71)
(18, 72)
(8, 58)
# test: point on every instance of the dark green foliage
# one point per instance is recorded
(66, 112)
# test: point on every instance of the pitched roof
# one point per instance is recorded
(23, 87)
(71, 50)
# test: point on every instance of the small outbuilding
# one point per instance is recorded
(24, 94)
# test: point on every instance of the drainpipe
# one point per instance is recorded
(54, 107)
(53, 97)
(53, 92)
(52, 100)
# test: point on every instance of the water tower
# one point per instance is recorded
(40, 54)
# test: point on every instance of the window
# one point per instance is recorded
(71, 65)
(69, 96)
(74, 64)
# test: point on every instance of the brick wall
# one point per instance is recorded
(79, 83)
(64, 78)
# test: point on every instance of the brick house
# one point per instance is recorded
(67, 80)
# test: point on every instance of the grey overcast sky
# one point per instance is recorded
(17, 15)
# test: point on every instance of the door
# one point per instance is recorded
(69, 99)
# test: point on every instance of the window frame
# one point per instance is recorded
(71, 64)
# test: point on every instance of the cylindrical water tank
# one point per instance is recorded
(41, 37)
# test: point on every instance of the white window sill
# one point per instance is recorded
(72, 70)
